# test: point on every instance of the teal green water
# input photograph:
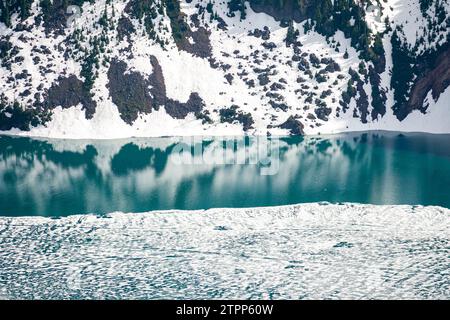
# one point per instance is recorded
(64, 177)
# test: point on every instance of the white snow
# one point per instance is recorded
(309, 251)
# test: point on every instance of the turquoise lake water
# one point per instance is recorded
(306, 251)
(63, 177)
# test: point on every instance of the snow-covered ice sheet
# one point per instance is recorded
(304, 251)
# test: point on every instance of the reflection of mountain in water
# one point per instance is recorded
(59, 177)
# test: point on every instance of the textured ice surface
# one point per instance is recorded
(304, 251)
(233, 50)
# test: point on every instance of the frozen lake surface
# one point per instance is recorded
(303, 251)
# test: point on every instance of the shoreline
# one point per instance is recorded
(237, 210)
(25, 134)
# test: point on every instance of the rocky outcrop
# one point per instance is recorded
(125, 28)
(195, 42)
(129, 91)
(134, 94)
(234, 115)
(294, 126)
(297, 10)
(69, 92)
(174, 108)
(54, 15)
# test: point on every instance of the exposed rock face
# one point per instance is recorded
(125, 28)
(174, 108)
(322, 112)
(233, 114)
(55, 16)
(195, 42)
(436, 79)
(293, 125)
(297, 10)
(133, 94)
(69, 92)
(180, 110)
(129, 91)
(200, 45)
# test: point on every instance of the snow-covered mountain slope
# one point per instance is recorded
(223, 67)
